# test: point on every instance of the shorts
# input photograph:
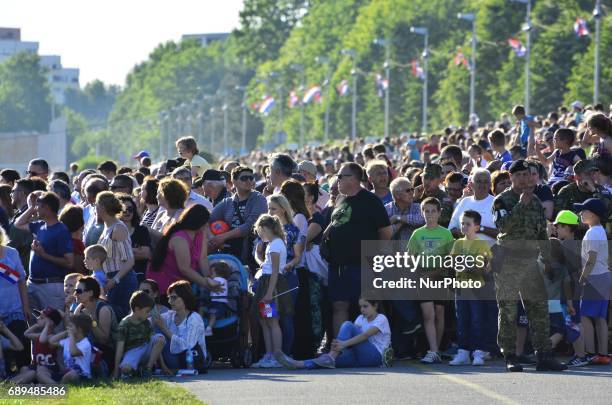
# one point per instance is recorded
(219, 309)
(58, 375)
(284, 303)
(594, 308)
(344, 283)
(557, 323)
(137, 356)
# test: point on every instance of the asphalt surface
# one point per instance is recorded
(406, 382)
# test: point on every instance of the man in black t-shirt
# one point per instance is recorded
(360, 216)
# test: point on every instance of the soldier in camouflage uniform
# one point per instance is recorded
(432, 178)
(521, 221)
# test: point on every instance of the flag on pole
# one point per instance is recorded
(293, 99)
(343, 88)
(313, 93)
(417, 70)
(266, 105)
(580, 27)
(460, 59)
(518, 47)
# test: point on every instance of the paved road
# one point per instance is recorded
(405, 383)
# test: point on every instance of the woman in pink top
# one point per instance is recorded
(181, 253)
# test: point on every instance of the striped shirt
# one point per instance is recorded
(412, 218)
(118, 252)
(149, 217)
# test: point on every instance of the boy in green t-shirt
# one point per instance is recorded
(471, 312)
(136, 344)
(427, 241)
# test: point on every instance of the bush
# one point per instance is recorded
(91, 161)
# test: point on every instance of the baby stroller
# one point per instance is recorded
(229, 341)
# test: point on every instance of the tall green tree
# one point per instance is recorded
(25, 100)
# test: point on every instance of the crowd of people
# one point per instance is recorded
(100, 268)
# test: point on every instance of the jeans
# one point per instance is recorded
(119, 296)
(365, 354)
(172, 360)
(490, 326)
(286, 321)
(470, 323)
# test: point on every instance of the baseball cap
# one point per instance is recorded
(308, 167)
(584, 166)
(595, 205)
(52, 314)
(566, 217)
(576, 104)
(141, 154)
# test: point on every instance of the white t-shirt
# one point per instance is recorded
(595, 240)
(276, 246)
(484, 207)
(380, 340)
(221, 293)
(83, 361)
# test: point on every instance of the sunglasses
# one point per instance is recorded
(116, 186)
(341, 176)
(30, 173)
(246, 178)
(78, 291)
(172, 297)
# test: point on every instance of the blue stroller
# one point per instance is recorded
(229, 341)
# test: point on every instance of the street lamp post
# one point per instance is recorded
(327, 84)
(353, 54)
(527, 29)
(244, 118)
(425, 33)
(597, 17)
(213, 128)
(162, 128)
(471, 17)
(387, 66)
(300, 68)
(225, 128)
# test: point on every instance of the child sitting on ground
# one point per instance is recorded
(76, 353)
(42, 353)
(95, 256)
(136, 344)
(8, 341)
(70, 282)
(218, 299)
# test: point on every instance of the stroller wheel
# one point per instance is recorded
(236, 358)
(247, 357)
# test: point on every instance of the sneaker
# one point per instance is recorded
(462, 358)
(449, 353)
(387, 357)
(479, 358)
(600, 360)
(589, 357)
(265, 359)
(325, 360)
(431, 358)
(577, 361)
(208, 331)
(487, 355)
(272, 363)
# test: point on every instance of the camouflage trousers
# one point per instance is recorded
(521, 275)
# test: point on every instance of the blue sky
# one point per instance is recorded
(105, 39)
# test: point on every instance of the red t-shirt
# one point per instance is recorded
(432, 149)
(78, 247)
(43, 354)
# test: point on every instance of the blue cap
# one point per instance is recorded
(595, 205)
(411, 142)
(141, 154)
